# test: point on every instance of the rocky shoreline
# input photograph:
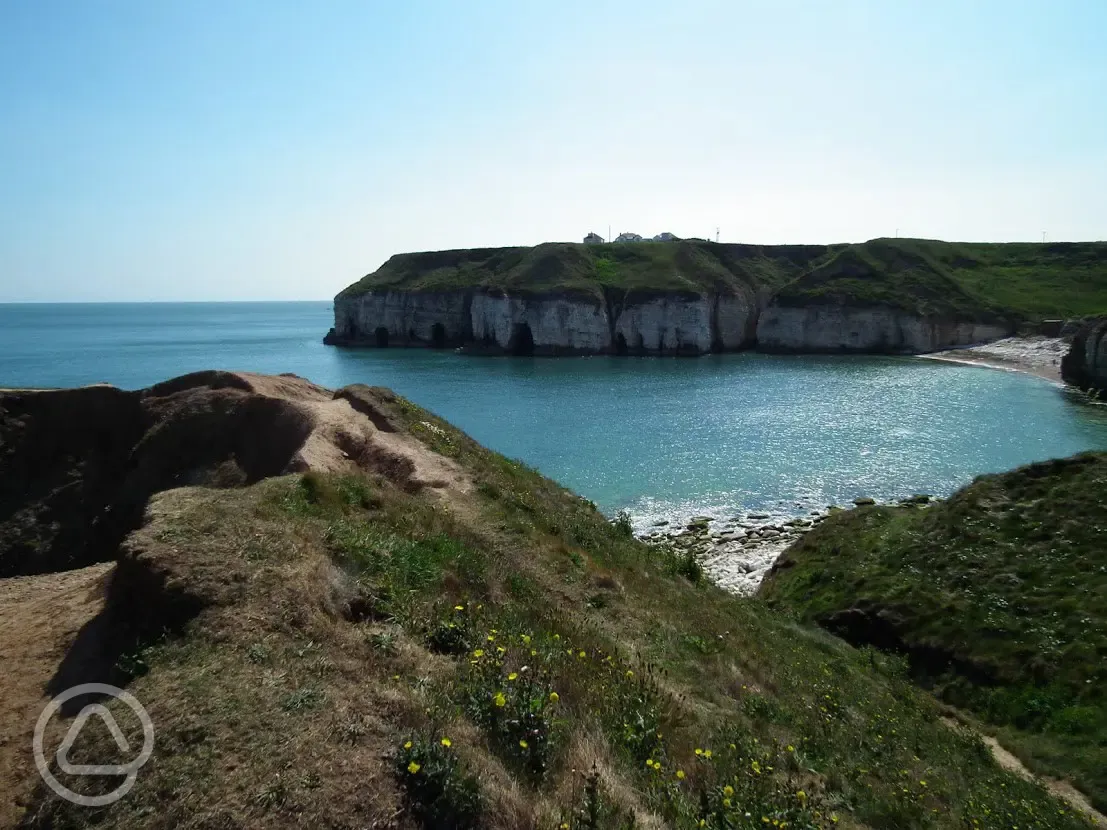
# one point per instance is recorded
(1033, 355)
(736, 553)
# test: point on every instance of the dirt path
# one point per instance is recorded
(39, 618)
(1059, 789)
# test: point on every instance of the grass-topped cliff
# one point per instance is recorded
(998, 595)
(965, 280)
(979, 280)
(687, 266)
(432, 635)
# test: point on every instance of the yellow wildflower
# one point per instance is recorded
(791, 748)
(680, 774)
(499, 699)
(523, 744)
(802, 796)
(407, 745)
(479, 652)
(755, 766)
(707, 753)
(630, 673)
(413, 768)
(554, 697)
(728, 791)
(512, 676)
(581, 655)
(726, 803)
(446, 742)
(699, 751)
(459, 607)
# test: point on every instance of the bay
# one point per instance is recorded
(662, 437)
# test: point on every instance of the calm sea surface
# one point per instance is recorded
(660, 436)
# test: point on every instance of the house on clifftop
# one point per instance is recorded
(628, 237)
(593, 239)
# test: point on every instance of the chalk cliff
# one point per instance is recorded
(866, 330)
(548, 325)
(1085, 365)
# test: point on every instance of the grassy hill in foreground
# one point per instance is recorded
(356, 650)
(999, 595)
(975, 280)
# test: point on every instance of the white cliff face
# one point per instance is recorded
(736, 320)
(836, 329)
(408, 318)
(660, 325)
(554, 323)
(666, 325)
(691, 325)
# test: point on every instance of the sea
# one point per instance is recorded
(663, 438)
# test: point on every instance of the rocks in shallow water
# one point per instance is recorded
(864, 501)
(662, 523)
(735, 553)
(918, 498)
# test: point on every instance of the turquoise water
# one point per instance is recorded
(660, 436)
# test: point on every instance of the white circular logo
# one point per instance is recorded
(130, 770)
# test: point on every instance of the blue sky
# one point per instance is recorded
(203, 150)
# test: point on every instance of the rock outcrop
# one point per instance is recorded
(829, 328)
(1085, 365)
(78, 466)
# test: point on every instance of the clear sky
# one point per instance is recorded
(279, 149)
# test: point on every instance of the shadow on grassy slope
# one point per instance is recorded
(999, 597)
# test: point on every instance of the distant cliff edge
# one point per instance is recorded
(690, 297)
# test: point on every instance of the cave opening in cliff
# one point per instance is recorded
(438, 336)
(381, 335)
(620, 344)
(522, 341)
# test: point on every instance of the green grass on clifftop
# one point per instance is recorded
(500, 655)
(689, 266)
(999, 595)
(967, 280)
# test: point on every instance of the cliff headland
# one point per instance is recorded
(691, 297)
